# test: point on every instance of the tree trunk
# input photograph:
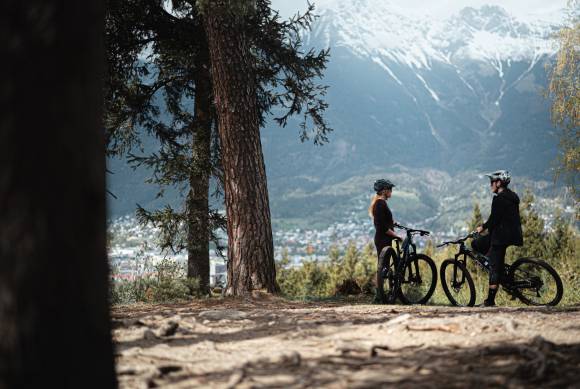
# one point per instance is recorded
(197, 200)
(250, 247)
(54, 312)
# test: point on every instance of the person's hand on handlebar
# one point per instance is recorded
(394, 235)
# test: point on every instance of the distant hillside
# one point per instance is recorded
(428, 103)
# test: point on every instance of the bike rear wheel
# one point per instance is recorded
(419, 280)
(535, 282)
(457, 283)
(385, 275)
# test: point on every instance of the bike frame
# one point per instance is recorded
(477, 258)
(512, 286)
(404, 259)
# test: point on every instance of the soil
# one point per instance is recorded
(270, 342)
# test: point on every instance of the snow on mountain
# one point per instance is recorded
(430, 88)
(382, 29)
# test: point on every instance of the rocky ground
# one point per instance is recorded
(270, 342)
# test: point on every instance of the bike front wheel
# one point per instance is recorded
(419, 280)
(535, 282)
(457, 283)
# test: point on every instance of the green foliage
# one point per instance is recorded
(335, 265)
(350, 260)
(476, 218)
(160, 283)
(366, 270)
(316, 279)
(558, 246)
(532, 229)
(562, 252)
(159, 84)
(564, 92)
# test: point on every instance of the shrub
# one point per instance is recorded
(160, 283)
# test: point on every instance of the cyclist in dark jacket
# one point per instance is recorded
(382, 216)
(505, 229)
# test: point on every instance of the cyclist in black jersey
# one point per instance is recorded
(382, 216)
(505, 229)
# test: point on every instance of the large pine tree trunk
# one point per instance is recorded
(54, 312)
(197, 201)
(250, 247)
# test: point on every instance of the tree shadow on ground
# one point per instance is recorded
(537, 363)
(142, 310)
(268, 320)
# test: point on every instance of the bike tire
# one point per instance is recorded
(385, 271)
(464, 289)
(419, 280)
(518, 272)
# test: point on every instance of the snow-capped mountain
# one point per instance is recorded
(382, 30)
(464, 89)
(457, 92)
(413, 92)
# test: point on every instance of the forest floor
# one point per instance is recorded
(271, 342)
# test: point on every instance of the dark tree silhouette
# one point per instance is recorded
(54, 313)
(166, 95)
(175, 80)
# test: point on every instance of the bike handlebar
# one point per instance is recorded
(472, 234)
(412, 230)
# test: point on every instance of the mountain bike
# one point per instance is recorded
(531, 280)
(403, 273)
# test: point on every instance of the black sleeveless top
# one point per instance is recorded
(383, 219)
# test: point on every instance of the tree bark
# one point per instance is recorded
(54, 312)
(198, 199)
(250, 247)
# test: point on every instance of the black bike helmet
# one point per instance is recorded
(381, 185)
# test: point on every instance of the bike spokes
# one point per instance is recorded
(457, 283)
(419, 280)
(536, 283)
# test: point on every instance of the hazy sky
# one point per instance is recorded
(443, 7)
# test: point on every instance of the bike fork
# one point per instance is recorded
(455, 283)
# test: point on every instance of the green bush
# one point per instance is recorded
(160, 283)
(313, 279)
(559, 246)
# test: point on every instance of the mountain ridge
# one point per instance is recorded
(450, 112)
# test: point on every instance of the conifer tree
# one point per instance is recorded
(560, 243)
(315, 279)
(476, 218)
(366, 269)
(335, 264)
(242, 53)
(352, 257)
(532, 229)
(430, 248)
(250, 249)
(168, 96)
(179, 70)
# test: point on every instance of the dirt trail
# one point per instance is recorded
(275, 343)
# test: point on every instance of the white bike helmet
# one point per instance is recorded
(500, 175)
